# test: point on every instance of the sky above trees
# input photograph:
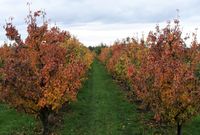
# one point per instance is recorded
(96, 21)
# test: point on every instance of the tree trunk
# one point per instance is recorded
(44, 115)
(179, 128)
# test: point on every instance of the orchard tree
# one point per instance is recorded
(36, 76)
(162, 71)
(104, 55)
(166, 80)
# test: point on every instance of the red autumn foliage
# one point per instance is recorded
(37, 77)
(162, 72)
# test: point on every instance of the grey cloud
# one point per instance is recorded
(82, 12)
(112, 11)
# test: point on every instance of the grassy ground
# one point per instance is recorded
(101, 109)
(192, 127)
(12, 123)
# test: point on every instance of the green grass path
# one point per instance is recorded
(101, 109)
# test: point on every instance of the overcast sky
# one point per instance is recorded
(96, 21)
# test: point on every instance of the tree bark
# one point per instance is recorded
(44, 115)
(179, 128)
